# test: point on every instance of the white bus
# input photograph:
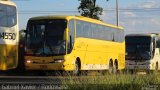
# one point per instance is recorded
(8, 35)
(142, 52)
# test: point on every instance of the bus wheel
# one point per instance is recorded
(156, 68)
(115, 68)
(76, 70)
(110, 70)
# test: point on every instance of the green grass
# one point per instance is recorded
(114, 82)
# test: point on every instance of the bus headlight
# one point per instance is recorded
(58, 60)
(29, 61)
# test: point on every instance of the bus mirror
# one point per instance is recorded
(152, 46)
(158, 44)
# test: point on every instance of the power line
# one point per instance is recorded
(46, 11)
(21, 0)
(135, 9)
(76, 11)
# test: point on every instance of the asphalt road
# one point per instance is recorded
(31, 83)
(39, 82)
(32, 80)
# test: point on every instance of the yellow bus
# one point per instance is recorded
(8, 35)
(73, 43)
(143, 52)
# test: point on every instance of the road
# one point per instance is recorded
(40, 82)
(31, 82)
(52, 82)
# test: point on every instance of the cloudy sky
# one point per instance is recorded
(136, 16)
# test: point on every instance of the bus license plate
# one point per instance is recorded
(43, 66)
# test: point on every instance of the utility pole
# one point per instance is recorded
(117, 13)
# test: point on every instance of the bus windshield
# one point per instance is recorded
(138, 47)
(8, 15)
(46, 37)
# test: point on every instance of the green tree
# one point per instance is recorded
(88, 8)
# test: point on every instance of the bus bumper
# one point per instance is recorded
(53, 66)
(139, 67)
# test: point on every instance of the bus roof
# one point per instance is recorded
(76, 17)
(150, 34)
(7, 2)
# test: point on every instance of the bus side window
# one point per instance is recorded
(158, 43)
(71, 36)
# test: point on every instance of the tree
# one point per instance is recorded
(88, 8)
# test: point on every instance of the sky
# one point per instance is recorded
(136, 16)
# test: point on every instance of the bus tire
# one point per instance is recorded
(76, 71)
(156, 68)
(115, 68)
(110, 70)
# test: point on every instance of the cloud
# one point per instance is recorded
(142, 22)
(108, 17)
(129, 14)
(149, 4)
(143, 25)
(137, 21)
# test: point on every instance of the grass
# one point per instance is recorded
(114, 82)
